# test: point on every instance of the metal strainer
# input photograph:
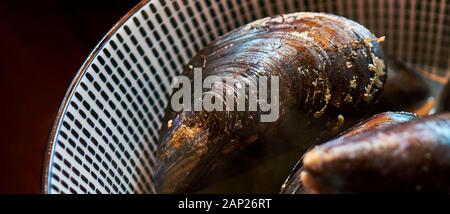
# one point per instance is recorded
(106, 132)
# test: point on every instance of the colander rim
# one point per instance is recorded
(51, 143)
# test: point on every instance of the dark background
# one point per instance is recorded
(42, 46)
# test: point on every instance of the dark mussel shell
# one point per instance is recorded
(413, 156)
(329, 68)
(294, 185)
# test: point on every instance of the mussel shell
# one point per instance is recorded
(329, 67)
(413, 156)
(294, 185)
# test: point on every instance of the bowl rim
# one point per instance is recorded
(51, 143)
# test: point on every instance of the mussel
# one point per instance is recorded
(329, 69)
(294, 185)
(406, 155)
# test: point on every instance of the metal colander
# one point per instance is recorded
(106, 132)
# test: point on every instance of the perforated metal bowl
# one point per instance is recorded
(105, 134)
